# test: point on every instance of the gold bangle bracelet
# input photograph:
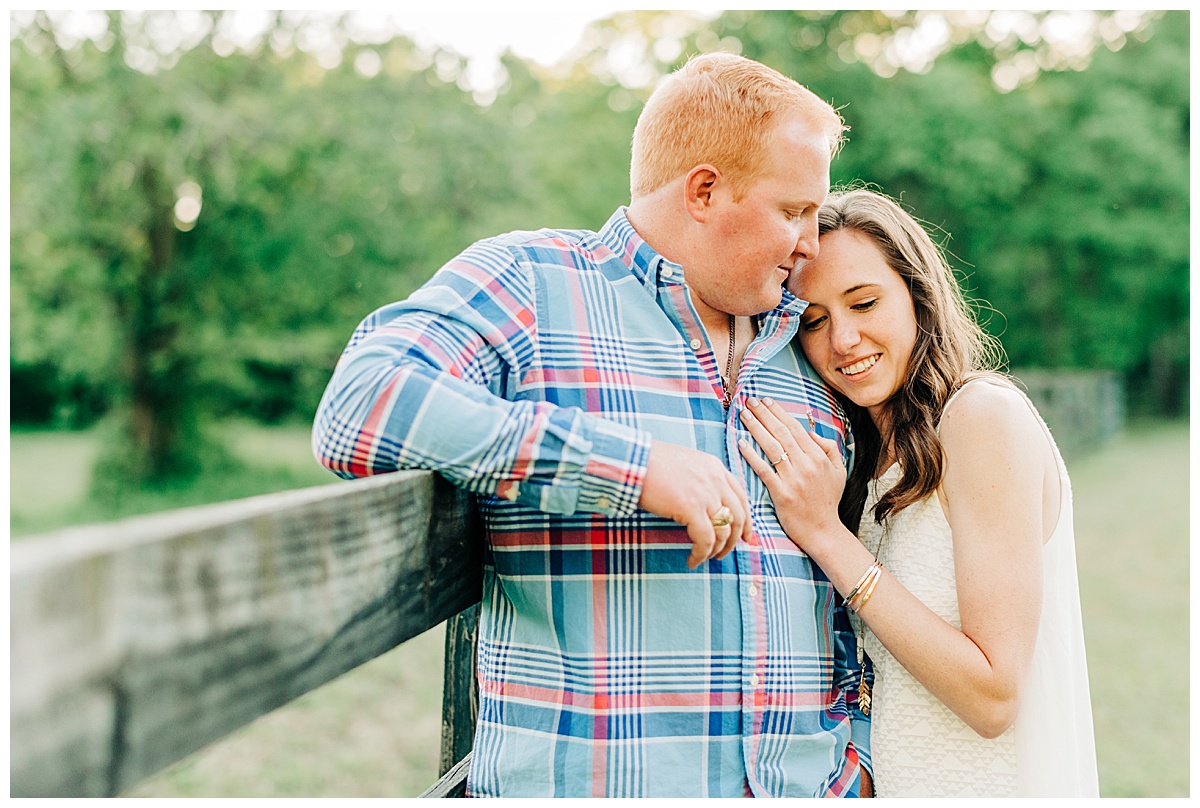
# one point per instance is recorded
(869, 588)
(854, 589)
(869, 579)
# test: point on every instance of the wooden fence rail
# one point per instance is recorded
(133, 644)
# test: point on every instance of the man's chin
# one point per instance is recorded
(750, 307)
(771, 300)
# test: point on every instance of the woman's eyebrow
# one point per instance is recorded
(857, 288)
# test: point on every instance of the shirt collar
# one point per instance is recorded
(791, 304)
(643, 261)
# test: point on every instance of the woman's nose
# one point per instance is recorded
(843, 336)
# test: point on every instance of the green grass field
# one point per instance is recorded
(51, 472)
(374, 731)
(1131, 533)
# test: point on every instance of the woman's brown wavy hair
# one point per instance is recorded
(950, 349)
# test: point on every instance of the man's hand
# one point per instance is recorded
(688, 487)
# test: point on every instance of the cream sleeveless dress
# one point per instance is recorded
(918, 747)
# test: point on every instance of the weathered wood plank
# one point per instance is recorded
(460, 689)
(453, 783)
(136, 643)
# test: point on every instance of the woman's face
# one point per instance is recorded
(859, 329)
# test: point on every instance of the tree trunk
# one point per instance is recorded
(156, 441)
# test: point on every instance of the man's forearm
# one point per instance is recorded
(385, 410)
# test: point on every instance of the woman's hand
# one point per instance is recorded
(804, 473)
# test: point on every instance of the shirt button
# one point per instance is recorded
(511, 493)
(668, 272)
(753, 590)
(754, 680)
(695, 344)
(603, 503)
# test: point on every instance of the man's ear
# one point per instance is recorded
(698, 190)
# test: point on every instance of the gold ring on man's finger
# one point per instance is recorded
(723, 517)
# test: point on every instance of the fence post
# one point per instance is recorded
(1083, 408)
(460, 695)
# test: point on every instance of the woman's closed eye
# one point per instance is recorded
(816, 322)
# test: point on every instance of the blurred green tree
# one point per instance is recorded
(198, 238)
(196, 228)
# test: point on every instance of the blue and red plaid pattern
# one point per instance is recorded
(534, 369)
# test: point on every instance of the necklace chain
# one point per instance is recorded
(728, 377)
(860, 634)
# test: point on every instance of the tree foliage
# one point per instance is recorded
(325, 191)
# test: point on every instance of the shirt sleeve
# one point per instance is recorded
(434, 382)
(847, 675)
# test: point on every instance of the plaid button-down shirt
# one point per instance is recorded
(534, 369)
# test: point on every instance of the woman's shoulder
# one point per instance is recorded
(990, 411)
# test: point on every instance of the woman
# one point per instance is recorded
(962, 578)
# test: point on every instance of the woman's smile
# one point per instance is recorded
(859, 368)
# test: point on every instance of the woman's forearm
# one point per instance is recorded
(942, 658)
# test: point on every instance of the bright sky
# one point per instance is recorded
(482, 33)
(546, 34)
(543, 35)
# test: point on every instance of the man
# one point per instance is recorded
(647, 628)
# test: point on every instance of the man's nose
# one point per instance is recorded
(807, 242)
